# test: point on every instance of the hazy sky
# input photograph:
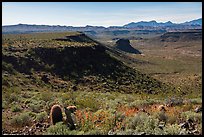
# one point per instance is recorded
(98, 13)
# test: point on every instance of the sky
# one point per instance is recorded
(98, 13)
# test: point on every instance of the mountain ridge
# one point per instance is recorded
(159, 24)
(142, 25)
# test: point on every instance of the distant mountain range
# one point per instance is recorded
(194, 22)
(142, 25)
(149, 24)
(153, 23)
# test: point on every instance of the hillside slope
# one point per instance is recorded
(84, 63)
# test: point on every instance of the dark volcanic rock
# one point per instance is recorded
(124, 45)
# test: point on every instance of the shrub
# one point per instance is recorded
(161, 116)
(61, 129)
(95, 132)
(27, 101)
(143, 123)
(125, 132)
(174, 101)
(10, 97)
(46, 96)
(187, 107)
(15, 108)
(21, 120)
(200, 127)
(35, 107)
(172, 129)
(32, 114)
(196, 117)
(41, 117)
(4, 105)
(88, 102)
(65, 96)
(8, 67)
(26, 95)
(143, 103)
(6, 82)
(58, 129)
(172, 119)
(196, 101)
(84, 120)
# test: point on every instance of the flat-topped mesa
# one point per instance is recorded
(76, 38)
(50, 40)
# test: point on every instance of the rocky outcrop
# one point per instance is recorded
(124, 45)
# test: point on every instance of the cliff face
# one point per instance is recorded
(88, 66)
(124, 45)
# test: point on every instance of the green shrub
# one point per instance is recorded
(66, 99)
(196, 117)
(125, 132)
(35, 107)
(66, 96)
(6, 82)
(143, 123)
(21, 120)
(187, 107)
(11, 95)
(142, 103)
(161, 116)
(4, 105)
(196, 101)
(58, 129)
(27, 101)
(172, 129)
(32, 114)
(200, 127)
(95, 132)
(8, 67)
(61, 129)
(15, 108)
(88, 102)
(175, 101)
(172, 119)
(46, 96)
(12, 98)
(41, 117)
